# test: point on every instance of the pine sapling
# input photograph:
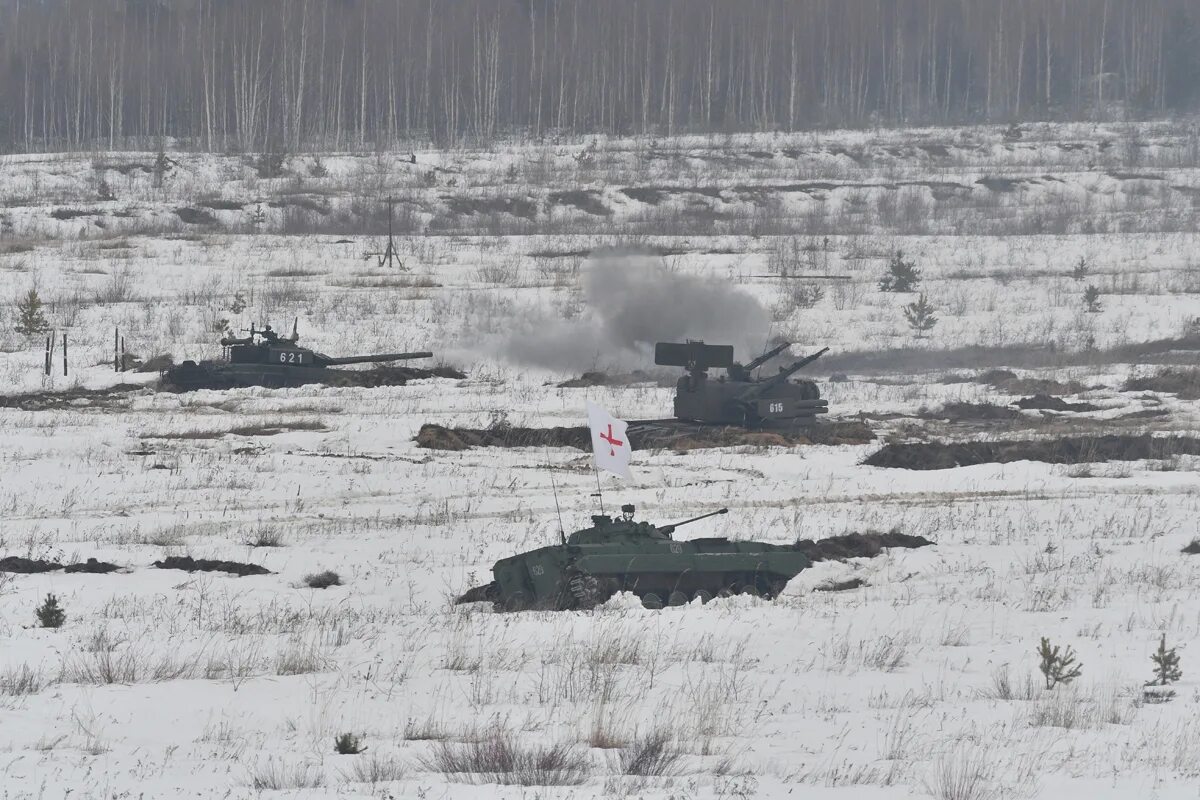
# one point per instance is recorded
(1166, 664)
(1057, 666)
(30, 319)
(1080, 270)
(50, 614)
(920, 315)
(902, 276)
(1091, 299)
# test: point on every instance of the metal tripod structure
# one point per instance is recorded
(390, 257)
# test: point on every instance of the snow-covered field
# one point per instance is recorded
(922, 683)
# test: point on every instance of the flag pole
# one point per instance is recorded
(562, 534)
(599, 493)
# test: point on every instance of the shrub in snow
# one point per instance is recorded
(902, 276)
(1057, 665)
(50, 614)
(322, 580)
(347, 744)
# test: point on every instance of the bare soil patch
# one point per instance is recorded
(42, 401)
(599, 378)
(1048, 402)
(669, 434)
(858, 545)
(195, 216)
(27, 566)
(585, 200)
(1182, 382)
(973, 412)
(1064, 450)
(910, 360)
(93, 567)
(438, 437)
(1008, 381)
(841, 586)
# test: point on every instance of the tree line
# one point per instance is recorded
(296, 74)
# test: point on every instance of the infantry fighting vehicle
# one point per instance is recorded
(614, 555)
(264, 358)
(738, 397)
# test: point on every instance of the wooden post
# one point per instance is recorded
(116, 349)
(64, 354)
(49, 339)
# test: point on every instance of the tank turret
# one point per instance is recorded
(622, 554)
(738, 397)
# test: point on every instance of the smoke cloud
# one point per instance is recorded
(631, 300)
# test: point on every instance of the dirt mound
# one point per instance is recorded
(45, 401)
(837, 433)
(858, 545)
(156, 363)
(1032, 355)
(841, 586)
(93, 567)
(614, 379)
(643, 436)
(437, 437)
(1182, 382)
(1051, 403)
(208, 565)
(972, 412)
(1008, 381)
(1065, 450)
(27, 566)
(1191, 548)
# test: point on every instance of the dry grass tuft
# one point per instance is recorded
(654, 754)
(497, 757)
(276, 775)
(375, 769)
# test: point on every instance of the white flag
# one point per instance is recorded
(609, 442)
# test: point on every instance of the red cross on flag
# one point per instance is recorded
(609, 442)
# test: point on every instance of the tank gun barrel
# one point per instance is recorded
(378, 358)
(767, 356)
(671, 528)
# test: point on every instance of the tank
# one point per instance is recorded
(739, 397)
(614, 555)
(264, 358)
